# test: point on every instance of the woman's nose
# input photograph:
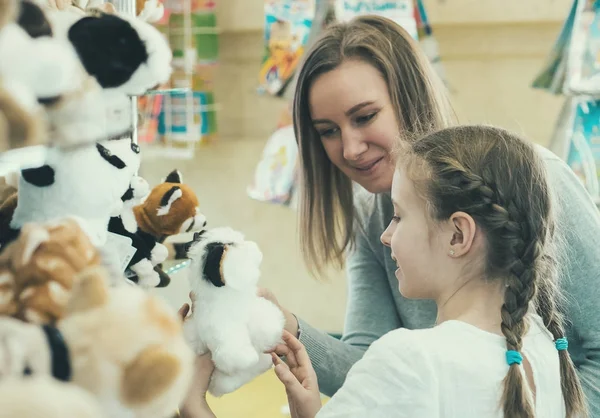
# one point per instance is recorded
(354, 145)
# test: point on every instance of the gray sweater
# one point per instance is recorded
(375, 306)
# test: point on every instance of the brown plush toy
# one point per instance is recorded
(169, 209)
(38, 270)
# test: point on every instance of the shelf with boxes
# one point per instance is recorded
(174, 122)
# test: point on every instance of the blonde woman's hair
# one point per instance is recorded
(326, 204)
(500, 181)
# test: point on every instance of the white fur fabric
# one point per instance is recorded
(85, 185)
(231, 321)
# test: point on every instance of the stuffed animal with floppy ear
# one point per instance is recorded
(169, 209)
(129, 57)
(122, 345)
(42, 396)
(24, 82)
(39, 269)
(229, 319)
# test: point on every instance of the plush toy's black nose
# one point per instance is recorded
(204, 224)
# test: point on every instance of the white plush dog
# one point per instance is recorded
(229, 319)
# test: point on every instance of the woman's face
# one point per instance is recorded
(351, 110)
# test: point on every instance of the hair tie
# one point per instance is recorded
(513, 357)
(561, 344)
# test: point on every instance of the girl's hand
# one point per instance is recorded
(298, 377)
(291, 322)
(195, 405)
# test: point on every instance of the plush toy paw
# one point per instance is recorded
(158, 254)
(234, 358)
(146, 275)
(139, 187)
(222, 383)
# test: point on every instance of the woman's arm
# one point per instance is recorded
(579, 231)
(370, 313)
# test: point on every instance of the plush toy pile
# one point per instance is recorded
(83, 237)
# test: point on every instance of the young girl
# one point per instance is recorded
(472, 230)
(363, 84)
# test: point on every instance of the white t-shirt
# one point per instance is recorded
(451, 370)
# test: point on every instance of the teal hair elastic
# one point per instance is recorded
(561, 344)
(513, 357)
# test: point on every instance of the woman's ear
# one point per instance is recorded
(463, 234)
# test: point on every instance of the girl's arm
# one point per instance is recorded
(370, 313)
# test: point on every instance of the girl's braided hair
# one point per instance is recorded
(500, 181)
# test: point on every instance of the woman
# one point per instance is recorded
(362, 85)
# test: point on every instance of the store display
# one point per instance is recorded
(552, 76)
(584, 145)
(173, 123)
(573, 70)
(583, 66)
(400, 11)
(288, 25)
(275, 174)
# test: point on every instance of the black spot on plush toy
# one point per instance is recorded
(169, 209)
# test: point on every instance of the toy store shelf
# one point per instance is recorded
(195, 31)
(167, 91)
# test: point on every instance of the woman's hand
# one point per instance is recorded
(298, 377)
(195, 405)
(291, 322)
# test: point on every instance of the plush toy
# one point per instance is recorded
(39, 269)
(86, 182)
(23, 350)
(121, 344)
(22, 82)
(169, 209)
(43, 396)
(150, 11)
(116, 55)
(229, 319)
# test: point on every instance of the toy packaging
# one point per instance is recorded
(275, 174)
(400, 11)
(583, 148)
(552, 76)
(288, 24)
(583, 67)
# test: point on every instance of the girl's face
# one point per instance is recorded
(419, 248)
(351, 111)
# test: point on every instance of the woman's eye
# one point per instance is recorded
(328, 132)
(395, 218)
(365, 119)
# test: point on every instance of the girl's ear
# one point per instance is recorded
(464, 230)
